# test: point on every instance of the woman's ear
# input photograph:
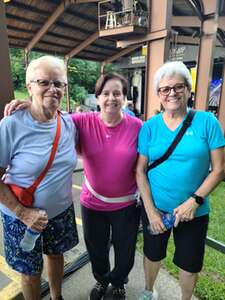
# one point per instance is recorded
(28, 85)
(189, 92)
(125, 101)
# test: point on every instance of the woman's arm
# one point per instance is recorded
(186, 211)
(32, 217)
(144, 188)
(216, 175)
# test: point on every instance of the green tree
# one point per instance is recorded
(17, 68)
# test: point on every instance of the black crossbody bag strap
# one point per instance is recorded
(186, 124)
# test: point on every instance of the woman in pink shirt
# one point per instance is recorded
(108, 145)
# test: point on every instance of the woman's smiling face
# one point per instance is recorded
(111, 99)
(173, 93)
(48, 96)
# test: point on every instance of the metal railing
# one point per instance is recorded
(215, 244)
(111, 18)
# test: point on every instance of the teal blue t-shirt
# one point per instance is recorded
(173, 181)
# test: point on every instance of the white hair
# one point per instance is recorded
(168, 70)
(50, 61)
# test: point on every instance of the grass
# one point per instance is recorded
(21, 95)
(211, 283)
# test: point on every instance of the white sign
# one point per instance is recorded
(138, 59)
(177, 53)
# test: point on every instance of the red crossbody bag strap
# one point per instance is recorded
(33, 187)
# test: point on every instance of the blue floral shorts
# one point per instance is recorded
(59, 236)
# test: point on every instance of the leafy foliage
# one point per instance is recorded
(82, 75)
(18, 68)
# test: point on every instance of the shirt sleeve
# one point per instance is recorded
(214, 133)
(144, 139)
(5, 143)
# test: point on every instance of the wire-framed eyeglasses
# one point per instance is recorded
(177, 88)
(46, 83)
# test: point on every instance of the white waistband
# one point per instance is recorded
(132, 197)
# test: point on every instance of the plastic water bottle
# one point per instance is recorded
(168, 221)
(28, 242)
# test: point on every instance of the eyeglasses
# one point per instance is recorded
(47, 83)
(165, 90)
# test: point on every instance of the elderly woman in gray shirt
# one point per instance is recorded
(26, 139)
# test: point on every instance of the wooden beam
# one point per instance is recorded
(6, 84)
(83, 45)
(183, 39)
(147, 38)
(123, 30)
(192, 21)
(59, 10)
(120, 54)
(184, 21)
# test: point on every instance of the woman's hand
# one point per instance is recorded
(16, 105)
(154, 216)
(34, 218)
(185, 212)
(155, 221)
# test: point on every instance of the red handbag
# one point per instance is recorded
(26, 195)
(23, 195)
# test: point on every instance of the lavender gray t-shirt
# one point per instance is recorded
(25, 147)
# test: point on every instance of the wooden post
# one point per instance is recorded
(221, 113)
(160, 18)
(205, 56)
(6, 84)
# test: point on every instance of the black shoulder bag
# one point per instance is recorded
(186, 124)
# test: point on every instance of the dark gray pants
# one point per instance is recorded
(122, 227)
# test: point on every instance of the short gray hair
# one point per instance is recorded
(49, 60)
(169, 69)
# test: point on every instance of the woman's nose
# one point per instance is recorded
(51, 86)
(111, 96)
(172, 92)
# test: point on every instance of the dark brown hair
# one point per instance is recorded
(105, 77)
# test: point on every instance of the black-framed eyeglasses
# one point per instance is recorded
(46, 83)
(178, 88)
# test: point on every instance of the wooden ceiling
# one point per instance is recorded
(70, 27)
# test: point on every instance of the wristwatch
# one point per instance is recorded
(198, 199)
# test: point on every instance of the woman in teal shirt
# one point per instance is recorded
(180, 185)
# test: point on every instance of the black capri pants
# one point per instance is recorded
(189, 239)
(122, 227)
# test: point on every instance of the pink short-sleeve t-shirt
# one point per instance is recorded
(109, 157)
